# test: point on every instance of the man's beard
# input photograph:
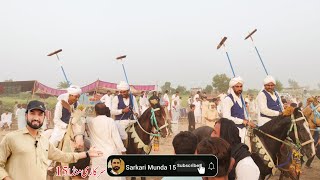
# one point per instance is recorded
(238, 92)
(34, 126)
(116, 168)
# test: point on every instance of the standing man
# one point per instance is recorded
(124, 107)
(64, 107)
(104, 135)
(143, 102)
(197, 111)
(106, 99)
(211, 115)
(21, 115)
(167, 110)
(269, 102)
(204, 109)
(233, 107)
(24, 153)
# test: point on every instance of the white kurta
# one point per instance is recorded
(21, 117)
(175, 98)
(107, 99)
(6, 119)
(60, 127)
(144, 104)
(227, 104)
(197, 111)
(104, 135)
(175, 113)
(263, 108)
(195, 97)
(167, 100)
(247, 169)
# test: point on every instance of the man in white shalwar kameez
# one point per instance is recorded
(107, 99)
(104, 135)
(6, 118)
(197, 110)
(66, 104)
(21, 117)
(269, 102)
(233, 107)
(143, 102)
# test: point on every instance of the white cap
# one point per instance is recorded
(74, 90)
(269, 79)
(235, 81)
(123, 86)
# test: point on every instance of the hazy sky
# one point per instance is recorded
(167, 40)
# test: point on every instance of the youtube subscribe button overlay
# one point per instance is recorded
(162, 165)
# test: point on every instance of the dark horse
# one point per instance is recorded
(279, 127)
(139, 141)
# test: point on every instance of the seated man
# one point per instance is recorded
(6, 118)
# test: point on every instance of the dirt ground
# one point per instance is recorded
(166, 148)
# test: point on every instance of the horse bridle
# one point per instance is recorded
(294, 126)
(153, 120)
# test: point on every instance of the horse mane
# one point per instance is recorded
(274, 123)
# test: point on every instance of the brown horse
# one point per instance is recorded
(312, 113)
(139, 141)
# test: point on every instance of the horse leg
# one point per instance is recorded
(133, 178)
(143, 178)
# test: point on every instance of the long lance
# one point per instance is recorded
(222, 43)
(120, 58)
(64, 73)
(264, 67)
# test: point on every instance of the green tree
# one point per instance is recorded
(279, 86)
(166, 86)
(221, 82)
(181, 89)
(208, 89)
(293, 84)
(63, 85)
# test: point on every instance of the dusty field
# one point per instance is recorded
(166, 148)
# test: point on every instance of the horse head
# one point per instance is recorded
(158, 119)
(311, 112)
(78, 127)
(300, 133)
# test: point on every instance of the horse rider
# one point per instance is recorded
(269, 102)
(124, 107)
(233, 107)
(66, 104)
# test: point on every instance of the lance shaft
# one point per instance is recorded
(64, 73)
(234, 75)
(125, 74)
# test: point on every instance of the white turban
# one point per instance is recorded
(74, 90)
(269, 79)
(235, 81)
(123, 86)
